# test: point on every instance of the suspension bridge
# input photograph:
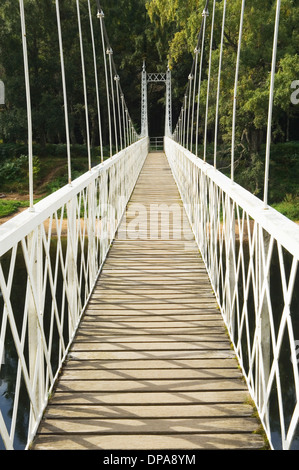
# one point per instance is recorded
(146, 314)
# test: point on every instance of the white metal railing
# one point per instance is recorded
(60, 247)
(156, 144)
(251, 254)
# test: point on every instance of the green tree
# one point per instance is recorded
(255, 65)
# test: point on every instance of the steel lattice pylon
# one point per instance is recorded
(155, 78)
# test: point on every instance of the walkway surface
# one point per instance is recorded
(151, 366)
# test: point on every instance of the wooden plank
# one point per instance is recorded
(244, 441)
(147, 426)
(149, 374)
(135, 355)
(151, 346)
(86, 337)
(176, 385)
(152, 324)
(208, 363)
(151, 366)
(150, 398)
(95, 329)
(190, 410)
(136, 318)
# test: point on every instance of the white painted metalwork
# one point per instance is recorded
(208, 84)
(205, 14)
(218, 84)
(62, 245)
(271, 99)
(65, 101)
(28, 101)
(96, 79)
(236, 90)
(168, 106)
(100, 16)
(144, 110)
(63, 241)
(242, 245)
(156, 78)
(84, 85)
(251, 253)
(156, 144)
(109, 52)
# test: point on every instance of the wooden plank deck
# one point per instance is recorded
(151, 366)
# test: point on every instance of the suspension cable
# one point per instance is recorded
(204, 14)
(100, 15)
(116, 78)
(28, 100)
(84, 85)
(190, 79)
(196, 52)
(209, 81)
(124, 121)
(67, 131)
(185, 130)
(194, 73)
(236, 91)
(271, 97)
(218, 84)
(96, 79)
(109, 53)
(181, 125)
(113, 73)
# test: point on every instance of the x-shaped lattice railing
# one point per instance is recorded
(251, 254)
(62, 246)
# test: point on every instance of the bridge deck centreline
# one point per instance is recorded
(151, 366)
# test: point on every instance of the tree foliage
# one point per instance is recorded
(157, 31)
(256, 55)
(130, 36)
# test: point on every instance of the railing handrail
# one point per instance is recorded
(255, 278)
(12, 231)
(281, 228)
(85, 214)
(155, 142)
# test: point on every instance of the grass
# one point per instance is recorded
(11, 206)
(283, 177)
(8, 207)
(289, 207)
(51, 174)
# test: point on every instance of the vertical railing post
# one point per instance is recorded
(263, 324)
(144, 111)
(91, 235)
(35, 301)
(230, 247)
(72, 276)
